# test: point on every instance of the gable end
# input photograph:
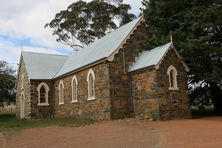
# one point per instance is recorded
(187, 69)
(111, 57)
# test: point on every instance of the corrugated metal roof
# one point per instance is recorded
(42, 66)
(98, 50)
(150, 57)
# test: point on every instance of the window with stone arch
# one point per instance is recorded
(43, 94)
(22, 81)
(61, 92)
(74, 85)
(172, 73)
(22, 105)
(91, 85)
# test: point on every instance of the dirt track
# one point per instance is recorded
(196, 133)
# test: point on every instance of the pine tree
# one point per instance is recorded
(197, 33)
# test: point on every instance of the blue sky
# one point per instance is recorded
(22, 27)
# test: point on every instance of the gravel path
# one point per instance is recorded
(127, 133)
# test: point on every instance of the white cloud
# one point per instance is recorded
(135, 5)
(21, 19)
(11, 53)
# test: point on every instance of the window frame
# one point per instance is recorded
(91, 73)
(22, 81)
(61, 100)
(175, 74)
(46, 87)
(22, 105)
(74, 82)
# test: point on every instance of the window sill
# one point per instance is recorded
(171, 88)
(43, 104)
(75, 101)
(61, 103)
(91, 99)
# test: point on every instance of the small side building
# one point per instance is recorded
(112, 78)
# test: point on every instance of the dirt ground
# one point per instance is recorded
(127, 133)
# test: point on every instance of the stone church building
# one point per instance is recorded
(112, 78)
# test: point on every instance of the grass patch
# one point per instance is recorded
(10, 122)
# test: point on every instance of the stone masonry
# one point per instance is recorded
(42, 111)
(173, 104)
(26, 90)
(98, 109)
(120, 86)
(152, 98)
(143, 94)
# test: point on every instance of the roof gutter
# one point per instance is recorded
(81, 68)
(141, 69)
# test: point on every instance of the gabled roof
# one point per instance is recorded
(42, 66)
(100, 49)
(154, 57)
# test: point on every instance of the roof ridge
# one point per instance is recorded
(60, 67)
(45, 53)
(139, 18)
(152, 60)
(108, 53)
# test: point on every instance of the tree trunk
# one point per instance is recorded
(216, 98)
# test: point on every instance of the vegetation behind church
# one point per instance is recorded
(7, 83)
(83, 22)
(197, 33)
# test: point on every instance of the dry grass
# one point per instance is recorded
(11, 109)
(10, 122)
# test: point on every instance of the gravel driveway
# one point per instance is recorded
(127, 133)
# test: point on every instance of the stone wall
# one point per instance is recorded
(120, 82)
(120, 95)
(173, 103)
(152, 98)
(144, 94)
(98, 109)
(42, 111)
(135, 44)
(26, 90)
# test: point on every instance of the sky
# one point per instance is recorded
(22, 27)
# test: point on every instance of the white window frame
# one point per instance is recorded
(22, 81)
(22, 105)
(91, 72)
(175, 85)
(61, 100)
(46, 103)
(74, 82)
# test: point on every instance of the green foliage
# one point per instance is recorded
(83, 22)
(11, 122)
(7, 83)
(197, 33)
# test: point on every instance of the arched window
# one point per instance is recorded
(91, 85)
(172, 73)
(22, 81)
(61, 93)
(74, 84)
(43, 94)
(22, 105)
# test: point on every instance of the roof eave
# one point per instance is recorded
(142, 68)
(187, 69)
(81, 68)
(116, 51)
